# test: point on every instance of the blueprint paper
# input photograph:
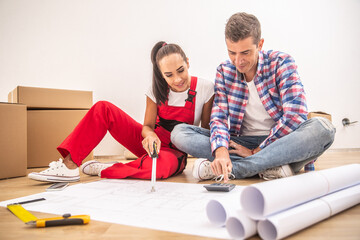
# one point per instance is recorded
(181, 207)
(263, 199)
(292, 220)
(174, 207)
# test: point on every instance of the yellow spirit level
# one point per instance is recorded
(21, 213)
(31, 220)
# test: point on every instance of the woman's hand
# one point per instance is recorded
(147, 132)
(148, 144)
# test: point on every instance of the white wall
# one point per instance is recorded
(104, 46)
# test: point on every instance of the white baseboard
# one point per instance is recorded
(343, 150)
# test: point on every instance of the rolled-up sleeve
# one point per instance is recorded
(219, 115)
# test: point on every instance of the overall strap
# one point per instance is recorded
(191, 93)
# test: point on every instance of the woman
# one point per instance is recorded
(175, 97)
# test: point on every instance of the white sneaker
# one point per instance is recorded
(57, 172)
(202, 169)
(277, 172)
(95, 167)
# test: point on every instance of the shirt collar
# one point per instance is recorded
(260, 63)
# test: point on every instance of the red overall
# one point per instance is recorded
(104, 116)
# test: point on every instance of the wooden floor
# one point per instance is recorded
(345, 225)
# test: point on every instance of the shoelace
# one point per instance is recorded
(221, 177)
(97, 168)
(54, 164)
(269, 174)
(208, 171)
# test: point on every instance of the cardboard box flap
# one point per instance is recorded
(48, 98)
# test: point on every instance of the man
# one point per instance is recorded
(259, 118)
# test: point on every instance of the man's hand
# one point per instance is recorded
(241, 150)
(222, 163)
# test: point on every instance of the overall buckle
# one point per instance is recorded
(191, 95)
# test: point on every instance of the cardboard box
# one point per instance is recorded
(13, 141)
(47, 98)
(319, 114)
(47, 129)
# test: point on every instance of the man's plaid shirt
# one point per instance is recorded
(280, 90)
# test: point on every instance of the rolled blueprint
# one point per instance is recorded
(266, 198)
(222, 210)
(292, 220)
(240, 226)
(219, 210)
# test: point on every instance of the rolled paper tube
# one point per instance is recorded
(240, 226)
(218, 210)
(221, 210)
(216, 213)
(297, 218)
(266, 198)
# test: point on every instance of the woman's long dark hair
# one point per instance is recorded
(159, 85)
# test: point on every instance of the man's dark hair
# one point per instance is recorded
(243, 25)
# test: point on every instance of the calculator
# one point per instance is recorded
(221, 187)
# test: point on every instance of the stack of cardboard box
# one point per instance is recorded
(13, 141)
(50, 116)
